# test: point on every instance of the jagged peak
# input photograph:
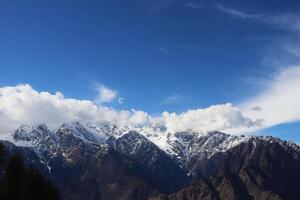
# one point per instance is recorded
(179, 144)
(71, 125)
(30, 136)
(78, 130)
(70, 128)
(24, 128)
(217, 133)
(42, 128)
(134, 134)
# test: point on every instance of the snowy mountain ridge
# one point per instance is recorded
(181, 146)
(102, 154)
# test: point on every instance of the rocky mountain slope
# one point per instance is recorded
(261, 168)
(104, 161)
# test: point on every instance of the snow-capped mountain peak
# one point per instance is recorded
(30, 135)
(183, 147)
(78, 130)
(169, 160)
(22, 133)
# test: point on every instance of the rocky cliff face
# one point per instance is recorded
(257, 169)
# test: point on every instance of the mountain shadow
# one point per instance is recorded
(19, 182)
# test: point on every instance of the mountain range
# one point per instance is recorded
(110, 162)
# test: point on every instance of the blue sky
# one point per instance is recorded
(156, 55)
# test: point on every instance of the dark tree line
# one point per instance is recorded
(19, 182)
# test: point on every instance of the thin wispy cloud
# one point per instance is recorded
(288, 21)
(162, 49)
(156, 6)
(189, 46)
(293, 50)
(195, 6)
(237, 13)
(172, 99)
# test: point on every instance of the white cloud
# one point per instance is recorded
(22, 104)
(279, 102)
(217, 117)
(138, 117)
(105, 94)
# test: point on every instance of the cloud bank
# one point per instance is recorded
(277, 103)
(22, 104)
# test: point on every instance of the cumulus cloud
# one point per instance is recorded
(276, 104)
(22, 104)
(105, 94)
(217, 117)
